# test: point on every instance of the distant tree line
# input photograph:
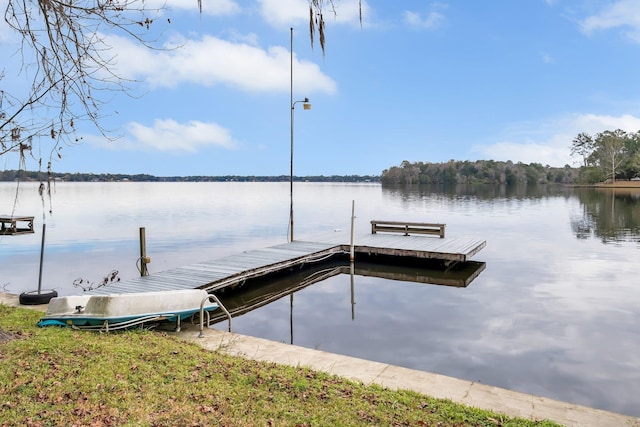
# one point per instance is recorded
(608, 155)
(477, 172)
(21, 175)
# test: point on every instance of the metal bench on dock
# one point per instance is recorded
(407, 227)
(15, 224)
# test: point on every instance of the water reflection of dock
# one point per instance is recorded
(234, 270)
(460, 276)
(249, 298)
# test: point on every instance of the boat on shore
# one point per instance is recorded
(121, 311)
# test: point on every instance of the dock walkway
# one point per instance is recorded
(233, 270)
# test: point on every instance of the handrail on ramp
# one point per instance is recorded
(217, 301)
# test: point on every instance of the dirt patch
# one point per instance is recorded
(620, 184)
(8, 336)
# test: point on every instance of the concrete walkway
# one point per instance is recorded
(473, 394)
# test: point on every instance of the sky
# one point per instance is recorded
(414, 80)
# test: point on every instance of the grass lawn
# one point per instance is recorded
(62, 377)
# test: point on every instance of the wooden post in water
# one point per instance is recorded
(143, 253)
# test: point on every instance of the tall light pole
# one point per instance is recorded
(306, 106)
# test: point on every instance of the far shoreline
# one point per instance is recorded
(617, 184)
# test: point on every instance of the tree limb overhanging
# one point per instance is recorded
(316, 19)
(70, 67)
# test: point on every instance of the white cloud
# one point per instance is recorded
(619, 14)
(169, 136)
(211, 61)
(548, 143)
(593, 123)
(280, 13)
(546, 58)
(431, 21)
(544, 152)
(237, 37)
(209, 7)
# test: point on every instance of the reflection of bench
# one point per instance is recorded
(16, 224)
(407, 228)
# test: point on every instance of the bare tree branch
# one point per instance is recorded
(316, 19)
(68, 62)
(70, 66)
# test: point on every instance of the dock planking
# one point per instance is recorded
(454, 249)
(233, 270)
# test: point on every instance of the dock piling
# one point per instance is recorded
(143, 253)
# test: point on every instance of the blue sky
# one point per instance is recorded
(417, 81)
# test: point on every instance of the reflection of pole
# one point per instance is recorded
(291, 315)
(353, 293)
(613, 208)
(44, 228)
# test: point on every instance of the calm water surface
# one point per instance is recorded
(556, 312)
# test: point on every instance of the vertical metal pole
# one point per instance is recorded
(291, 161)
(353, 216)
(351, 258)
(44, 228)
(143, 253)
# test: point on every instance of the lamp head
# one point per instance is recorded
(306, 104)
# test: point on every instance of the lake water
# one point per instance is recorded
(556, 312)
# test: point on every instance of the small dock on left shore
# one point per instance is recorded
(15, 224)
(233, 270)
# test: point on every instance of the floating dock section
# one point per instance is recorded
(234, 270)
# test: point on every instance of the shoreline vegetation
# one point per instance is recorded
(389, 178)
(499, 173)
(34, 176)
(59, 376)
(407, 173)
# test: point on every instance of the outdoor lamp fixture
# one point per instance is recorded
(307, 106)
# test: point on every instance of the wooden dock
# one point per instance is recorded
(10, 224)
(456, 249)
(233, 270)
